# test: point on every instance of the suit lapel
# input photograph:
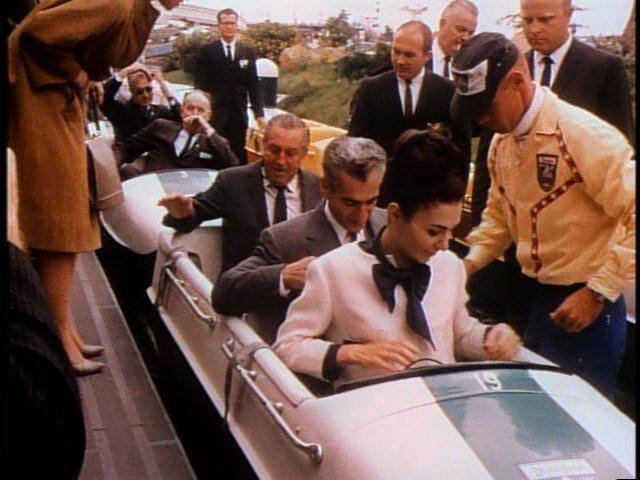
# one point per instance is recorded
(569, 70)
(393, 97)
(529, 57)
(255, 190)
(320, 231)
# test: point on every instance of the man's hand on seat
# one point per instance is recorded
(178, 205)
(384, 356)
(502, 343)
(293, 274)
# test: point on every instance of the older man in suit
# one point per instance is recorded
(226, 68)
(193, 143)
(131, 116)
(577, 73)
(458, 22)
(252, 197)
(266, 282)
(410, 96)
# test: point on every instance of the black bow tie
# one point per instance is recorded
(414, 280)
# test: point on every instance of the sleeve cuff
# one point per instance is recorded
(603, 289)
(283, 291)
(330, 368)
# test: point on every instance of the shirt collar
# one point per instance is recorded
(341, 232)
(232, 44)
(557, 56)
(417, 80)
(293, 186)
(526, 122)
(437, 53)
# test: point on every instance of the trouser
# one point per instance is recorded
(234, 129)
(595, 353)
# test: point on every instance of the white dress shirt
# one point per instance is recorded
(416, 86)
(525, 124)
(557, 57)
(181, 141)
(292, 195)
(233, 48)
(438, 57)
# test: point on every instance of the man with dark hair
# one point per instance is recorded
(576, 72)
(410, 96)
(190, 143)
(131, 116)
(458, 22)
(251, 197)
(563, 190)
(226, 68)
(266, 282)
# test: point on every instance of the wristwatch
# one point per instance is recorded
(597, 296)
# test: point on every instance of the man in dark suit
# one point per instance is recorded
(129, 117)
(266, 282)
(192, 143)
(226, 68)
(410, 96)
(577, 73)
(251, 197)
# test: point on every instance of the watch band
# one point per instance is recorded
(597, 296)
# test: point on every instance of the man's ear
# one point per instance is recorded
(393, 212)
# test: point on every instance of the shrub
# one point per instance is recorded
(188, 47)
(269, 39)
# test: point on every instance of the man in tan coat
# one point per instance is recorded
(53, 54)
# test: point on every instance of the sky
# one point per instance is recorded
(603, 17)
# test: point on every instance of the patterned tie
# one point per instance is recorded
(545, 81)
(408, 100)
(229, 57)
(447, 62)
(280, 210)
(414, 280)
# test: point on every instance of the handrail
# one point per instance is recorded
(192, 300)
(313, 450)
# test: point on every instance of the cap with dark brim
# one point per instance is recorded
(478, 68)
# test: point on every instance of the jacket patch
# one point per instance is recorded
(546, 166)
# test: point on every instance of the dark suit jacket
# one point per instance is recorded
(128, 118)
(237, 195)
(228, 82)
(596, 81)
(42, 393)
(156, 140)
(377, 112)
(253, 284)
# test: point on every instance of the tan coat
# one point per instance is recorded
(57, 40)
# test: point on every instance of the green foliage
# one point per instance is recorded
(171, 62)
(188, 47)
(629, 63)
(178, 76)
(269, 39)
(357, 65)
(318, 93)
(339, 29)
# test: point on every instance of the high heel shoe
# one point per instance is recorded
(90, 351)
(87, 367)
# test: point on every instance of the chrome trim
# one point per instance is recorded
(192, 301)
(313, 450)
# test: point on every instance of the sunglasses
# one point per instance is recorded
(140, 91)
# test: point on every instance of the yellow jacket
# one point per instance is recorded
(566, 196)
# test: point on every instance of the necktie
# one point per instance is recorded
(414, 280)
(545, 81)
(408, 100)
(280, 210)
(185, 149)
(447, 62)
(229, 57)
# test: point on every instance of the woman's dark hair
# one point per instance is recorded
(426, 168)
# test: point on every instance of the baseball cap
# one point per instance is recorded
(478, 67)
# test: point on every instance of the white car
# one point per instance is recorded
(476, 420)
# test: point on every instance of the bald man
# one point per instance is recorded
(193, 143)
(458, 22)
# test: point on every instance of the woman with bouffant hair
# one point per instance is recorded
(383, 304)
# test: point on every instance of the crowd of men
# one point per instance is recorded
(278, 218)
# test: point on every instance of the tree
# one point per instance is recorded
(339, 29)
(268, 39)
(188, 47)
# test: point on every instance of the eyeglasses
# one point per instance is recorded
(140, 91)
(228, 23)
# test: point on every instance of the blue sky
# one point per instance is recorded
(602, 17)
